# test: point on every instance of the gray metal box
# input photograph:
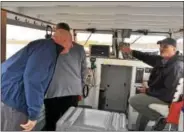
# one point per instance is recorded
(82, 119)
(116, 83)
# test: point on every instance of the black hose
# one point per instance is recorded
(47, 32)
(85, 91)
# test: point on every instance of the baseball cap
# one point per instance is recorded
(168, 41)
(63, 25)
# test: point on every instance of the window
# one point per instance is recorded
(146, 43)
(180, 45)
(18, 37)
(94, 39)
(148, 39)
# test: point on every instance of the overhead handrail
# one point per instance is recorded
(28, 17)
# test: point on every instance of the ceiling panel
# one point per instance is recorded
(105, 15)
(85, 4)
(154, 11)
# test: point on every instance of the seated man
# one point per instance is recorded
(167, 70)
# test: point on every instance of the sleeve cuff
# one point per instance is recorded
(33, 118)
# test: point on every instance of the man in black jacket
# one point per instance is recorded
(167, 70)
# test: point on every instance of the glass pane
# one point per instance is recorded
(149, 39)
(98, 39)
(94, 39)
(180, 45)
(145, 43)
(18, 37)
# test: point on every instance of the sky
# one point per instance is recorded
(29, 34)
(23, 33)
(105, 38)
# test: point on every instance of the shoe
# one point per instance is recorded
(160, 125)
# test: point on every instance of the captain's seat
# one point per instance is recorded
(172, 113)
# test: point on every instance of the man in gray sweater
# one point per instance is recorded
(66, 84)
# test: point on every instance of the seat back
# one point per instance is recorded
(179, 91)
(174, 112)
(176, 105)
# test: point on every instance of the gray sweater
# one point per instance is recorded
(68, 78)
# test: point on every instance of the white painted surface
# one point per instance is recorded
(93, 97)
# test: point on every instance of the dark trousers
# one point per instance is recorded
(140, 103)
(55, 108)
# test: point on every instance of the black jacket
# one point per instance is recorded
(164, 77)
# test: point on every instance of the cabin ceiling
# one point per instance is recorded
(154, 16)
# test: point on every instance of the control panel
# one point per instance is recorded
(141, 78)
(100, 51)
